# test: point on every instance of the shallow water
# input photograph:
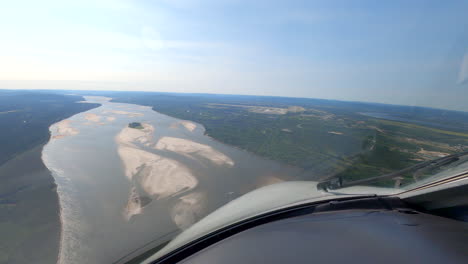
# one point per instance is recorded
(95, 191)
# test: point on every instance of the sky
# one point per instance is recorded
(399, 52)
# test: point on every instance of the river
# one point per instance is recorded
(121, 187)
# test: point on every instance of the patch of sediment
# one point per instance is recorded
(189, 209)
(64, 129)
(188, 125)
(158, 177)
(92, 117)
(193, 149)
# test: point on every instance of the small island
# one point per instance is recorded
(135, 125)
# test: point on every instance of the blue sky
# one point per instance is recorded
(401, 52)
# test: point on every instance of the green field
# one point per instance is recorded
(324, 138)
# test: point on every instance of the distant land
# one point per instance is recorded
(328, 138)
(29, 209)
(324, 138)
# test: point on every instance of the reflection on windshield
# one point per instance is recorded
(411, 177)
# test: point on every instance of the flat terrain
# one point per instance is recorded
(322, 137)
(29, 209)
(326, 138)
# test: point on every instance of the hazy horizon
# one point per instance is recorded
(405, 53)
(225, 94)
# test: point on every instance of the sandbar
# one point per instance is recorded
(189, 209)
(64, 128)
(158, 177)
(193, 149)
(120, 112)
(189, 125)
(130, 136)
(92, 117)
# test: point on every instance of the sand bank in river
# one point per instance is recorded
(121, 112)
(186, 124)
(97, 119)
(92, 117)
(131, 136)
(133, 206)
(193, 149)
(158, 177)
(64, 128)
(189, 209)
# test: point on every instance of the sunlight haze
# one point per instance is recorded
(391, 52)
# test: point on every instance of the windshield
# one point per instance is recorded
(411, 177)
(126, 123)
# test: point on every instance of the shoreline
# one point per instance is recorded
(59, 203)
(198, 125)
(39, 192)
(62, 130)
(30, 201)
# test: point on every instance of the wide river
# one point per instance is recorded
(121, 187)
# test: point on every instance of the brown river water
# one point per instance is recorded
(121, 187)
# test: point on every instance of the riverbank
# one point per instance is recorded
(29, 204)
(29, 211)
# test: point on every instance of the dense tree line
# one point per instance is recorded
(25, 117)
